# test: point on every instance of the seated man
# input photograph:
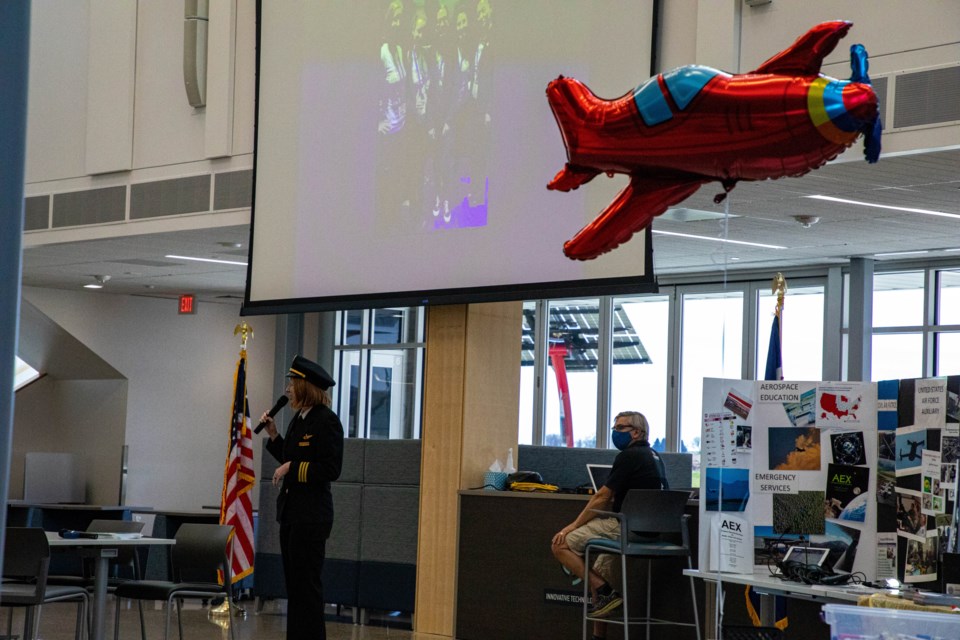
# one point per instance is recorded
(636, 467)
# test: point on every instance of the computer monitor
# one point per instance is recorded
(598, 474)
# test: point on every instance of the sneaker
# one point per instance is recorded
(605, 605)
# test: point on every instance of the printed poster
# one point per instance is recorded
(838, 405)
(731, 545)
(848, 489)
(930, 403)
(931, 490)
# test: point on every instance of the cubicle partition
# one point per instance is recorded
(372, 551)
(567, 468)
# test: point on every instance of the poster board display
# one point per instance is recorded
(796, 460)
(917, 476)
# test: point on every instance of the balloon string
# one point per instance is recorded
(725, 231)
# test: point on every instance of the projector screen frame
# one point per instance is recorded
(645, 283)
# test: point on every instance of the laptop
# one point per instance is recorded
(598, 474)
(807, 556)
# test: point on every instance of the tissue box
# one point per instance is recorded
(495, 480)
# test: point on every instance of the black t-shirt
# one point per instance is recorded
(636, 467)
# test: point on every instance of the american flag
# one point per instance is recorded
(236, 508)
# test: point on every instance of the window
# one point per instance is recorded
(571, 380)
(711, 346)
(528, 373)
(948, 354)
(379, 359)
(898, 299)
(898, 320)
(23, 374)
(897, 355)
(801, 332)
(948, 297)
(639, 380)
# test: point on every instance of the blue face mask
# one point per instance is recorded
(622, 439)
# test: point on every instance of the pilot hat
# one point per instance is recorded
(311, 372)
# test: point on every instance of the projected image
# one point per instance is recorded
(435, 114)
(403, 148)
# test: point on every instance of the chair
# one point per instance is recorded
(199, 553)
(652, 526)
(26, 561)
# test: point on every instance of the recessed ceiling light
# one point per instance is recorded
(688, 235)
(900, 253)
(231, 245)
(241, 264)
(927, 212)
(98, 282)
(951, 250)
(682, 214)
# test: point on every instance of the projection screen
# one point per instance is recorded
(403, 149)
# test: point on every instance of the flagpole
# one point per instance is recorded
(246, 332)
(779, 287)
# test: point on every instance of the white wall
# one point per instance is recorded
(167, 133)
(82, 417)
(180, 385)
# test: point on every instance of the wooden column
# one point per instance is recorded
(471, 409)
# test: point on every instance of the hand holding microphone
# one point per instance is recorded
(280, 404)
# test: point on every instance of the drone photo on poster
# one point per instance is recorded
(910, 444)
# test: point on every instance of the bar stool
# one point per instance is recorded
(650, 523)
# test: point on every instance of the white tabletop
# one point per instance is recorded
(764, 582)
(56, 541)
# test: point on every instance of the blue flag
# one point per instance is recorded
(774, 370)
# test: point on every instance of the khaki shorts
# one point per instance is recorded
(605, 564)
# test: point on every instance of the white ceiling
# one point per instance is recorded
(764, 214)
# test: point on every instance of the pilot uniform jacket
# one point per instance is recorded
(314, 448)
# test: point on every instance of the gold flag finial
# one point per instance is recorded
(245, 331)
(779, 287)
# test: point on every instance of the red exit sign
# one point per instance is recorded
(188, 303)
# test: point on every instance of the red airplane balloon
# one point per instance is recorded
(694, 125)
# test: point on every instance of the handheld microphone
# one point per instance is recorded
(281, 403)
(72, 534)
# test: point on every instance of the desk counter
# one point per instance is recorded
(509, 586)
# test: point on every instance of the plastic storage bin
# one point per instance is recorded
(867, 623)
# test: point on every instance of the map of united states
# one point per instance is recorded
(838, 407)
